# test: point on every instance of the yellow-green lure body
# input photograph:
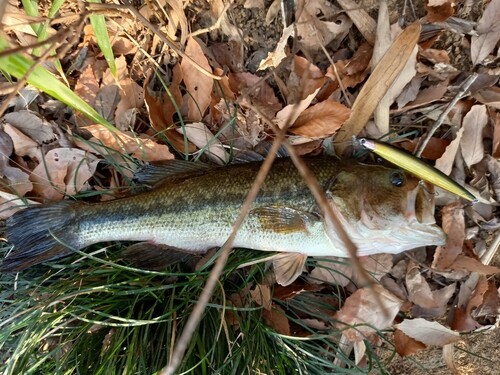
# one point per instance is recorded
(416, 167)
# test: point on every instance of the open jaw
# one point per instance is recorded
(414, 227)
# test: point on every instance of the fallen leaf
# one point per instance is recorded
(198, 85)
(377, 84)
(131, 97)
(86, 86)
(63, 171)
(291, 112)
(321, 120)
(365, 24)
(419, 291)
(472, 140)
(23, 145)
(274, 58)
(332, 271)
(314, 32)
(473, 265)
(433, 150)
(17, 180)
(454, 227)
(488, 30)
(470, 296)
(439, 10)
(364, 311)
(305, 78)
(446, 161)
(377, 266)
(405, 345)
(31, 124)
(262, 296)
(256, 92)
(381, 114)
(428, 333)
(276, 319)
(259, 4)
(495, 152)
(141, 148)
(199, 134)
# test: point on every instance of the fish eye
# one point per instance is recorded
(397, 178)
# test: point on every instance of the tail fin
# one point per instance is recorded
(39, 234)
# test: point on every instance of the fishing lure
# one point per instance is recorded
(415, 166)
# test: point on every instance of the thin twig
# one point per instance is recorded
(459, 95)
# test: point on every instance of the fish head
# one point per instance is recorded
(386, 209)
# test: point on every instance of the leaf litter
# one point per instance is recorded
(182, 110)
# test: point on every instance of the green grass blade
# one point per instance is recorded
(98, 23)
(17, 65)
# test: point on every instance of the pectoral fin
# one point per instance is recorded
(288, 266)
(283, 219)
(155, 257)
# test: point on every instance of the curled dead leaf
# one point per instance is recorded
(364, 311)
(63, 171)
(321, 120)
(428, 333)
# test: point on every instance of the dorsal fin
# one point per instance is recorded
(154, 173)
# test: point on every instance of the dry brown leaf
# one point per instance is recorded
(23, 145)
(87, 86)
(446, 161)
(63, 171)
(473, 265)
(131, 97)
(141, 148)
(321, 120)
(488, 30)
(378, 83)
(17, 180)
(381, 114)
(274, 58)
(454, 227)
(439, 10)
(472, 140)
(362, 308)
(204, 139)
(333, 271)
(426, 96)
(198, 85)
(470, 296)
(428, 333)
(314, 32)
(161, 110)
(377, 265)
(291, 112)
(259, 4)
(365, 24)
(256, 91)
(262, 296)
(495, 151)
(419, 291)
(31, 124)
(304, 79)
(405, 345)
(433, 150)
(276, 318)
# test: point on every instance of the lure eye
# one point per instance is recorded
(397, 178)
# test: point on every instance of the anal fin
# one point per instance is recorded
(157, 257)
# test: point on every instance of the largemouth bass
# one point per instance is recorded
(192, 210)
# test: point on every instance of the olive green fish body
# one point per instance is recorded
(381, 209)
